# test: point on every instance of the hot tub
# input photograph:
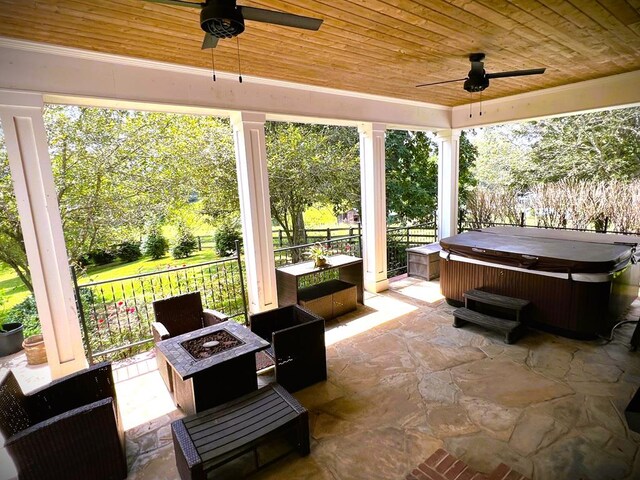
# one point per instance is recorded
(578, 283)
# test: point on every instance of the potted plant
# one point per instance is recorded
(318, 253)
(11, 335)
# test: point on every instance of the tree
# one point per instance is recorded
(412, 174)
(502, 153)
(185, 242)
(155, 245)
(114, 171)
(592, 146)
(466, 179)
(12, 251)
(308, 165)
(411, 165)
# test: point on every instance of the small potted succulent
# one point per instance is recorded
(318, 253)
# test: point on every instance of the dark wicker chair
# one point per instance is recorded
(69, 429)
(178, 315)
(297, 345)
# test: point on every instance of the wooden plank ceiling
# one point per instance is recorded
(382, 47)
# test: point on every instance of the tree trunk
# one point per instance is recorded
(299, 237)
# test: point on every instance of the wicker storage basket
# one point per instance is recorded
(34, 348)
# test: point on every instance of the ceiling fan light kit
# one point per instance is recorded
(221, 19)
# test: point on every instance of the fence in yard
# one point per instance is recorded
(116, 315)
(311, 235)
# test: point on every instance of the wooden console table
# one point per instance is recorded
(349, 270)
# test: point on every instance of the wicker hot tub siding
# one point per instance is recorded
(578, 283)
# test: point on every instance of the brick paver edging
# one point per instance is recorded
(444, 466)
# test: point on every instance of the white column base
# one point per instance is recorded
(375, 286)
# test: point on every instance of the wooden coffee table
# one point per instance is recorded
(205, 383)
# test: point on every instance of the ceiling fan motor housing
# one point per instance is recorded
(476, 84)
(221, 19)
(477, 79)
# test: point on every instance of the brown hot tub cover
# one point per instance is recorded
(550, 251)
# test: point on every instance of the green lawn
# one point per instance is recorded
(144, 265)
(13, 291)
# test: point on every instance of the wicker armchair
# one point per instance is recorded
(297, 345)
(178, 315)
(69, 429)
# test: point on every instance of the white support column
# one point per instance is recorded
(255, 207)
(26, 139)
(374, 203)
(448, 170)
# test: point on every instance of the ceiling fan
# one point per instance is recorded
(224, 19)
(478, 79)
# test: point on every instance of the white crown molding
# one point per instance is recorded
(30, 46)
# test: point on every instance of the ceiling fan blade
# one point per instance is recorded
(516, 73)
(280, 18)
(439, 83)
(180, 3)
(209, 41)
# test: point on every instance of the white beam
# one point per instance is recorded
(255, 208)
(448, 173)
(76, 76)
(27, 147)
(604, 93)
(373, 199)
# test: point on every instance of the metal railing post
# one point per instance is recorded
(83, 322)
(244, 299)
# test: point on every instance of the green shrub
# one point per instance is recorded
(185, 243)
(82, 260)
(155, 245)
(101, 256)
(128, 251)
(225, 238)
(26, 313)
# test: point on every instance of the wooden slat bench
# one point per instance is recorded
(209, 439)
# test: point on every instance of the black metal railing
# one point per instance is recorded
(116, 315)
(401, 238)
(398, 240)
(349, 245)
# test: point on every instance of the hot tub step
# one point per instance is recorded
(510, 328)
(496, 300)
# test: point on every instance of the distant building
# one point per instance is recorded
(350, 216)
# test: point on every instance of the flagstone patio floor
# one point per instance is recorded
(403, 382)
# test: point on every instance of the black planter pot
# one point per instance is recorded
(11, 338)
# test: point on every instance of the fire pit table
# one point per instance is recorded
(212, 365)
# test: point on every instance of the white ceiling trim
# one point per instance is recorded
(74, 76)
(29, 46)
